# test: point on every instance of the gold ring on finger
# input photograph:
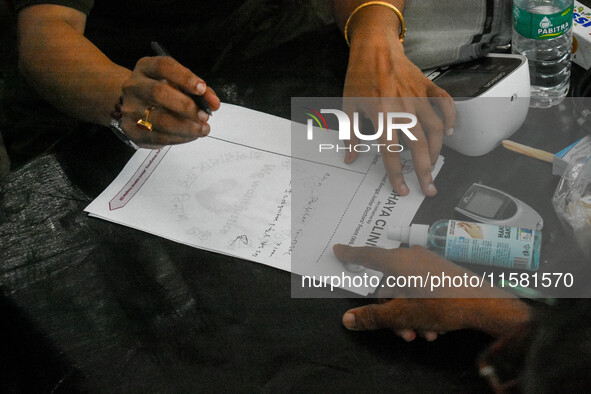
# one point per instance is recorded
(145, 124)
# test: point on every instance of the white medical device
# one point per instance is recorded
(487, 205)
(491, 95)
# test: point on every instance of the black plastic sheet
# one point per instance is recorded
(129, 312)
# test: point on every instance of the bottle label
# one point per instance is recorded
(540, 26)
(487, 244)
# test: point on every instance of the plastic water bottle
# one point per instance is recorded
(477, 243)
(542, 32)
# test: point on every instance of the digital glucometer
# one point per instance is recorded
(491, 95)
(488, 205)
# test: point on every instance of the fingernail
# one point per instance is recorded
(430, 336)
(450, 131)
(403, 190)
(354, 267)
(205, 130)
(203, 116)
(349, 321)
(200, 87)
(431, 190)
(409, 336)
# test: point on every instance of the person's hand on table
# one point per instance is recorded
(378, 68)
(489, 310)
(157, 84)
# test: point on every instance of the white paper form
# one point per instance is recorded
(231, 193)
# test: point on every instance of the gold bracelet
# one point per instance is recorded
(382, 3)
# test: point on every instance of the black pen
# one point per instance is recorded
(199, 100)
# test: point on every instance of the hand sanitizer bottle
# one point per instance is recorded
(476, 243)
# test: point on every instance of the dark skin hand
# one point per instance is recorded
(76, 77)
(160, 82)
(486, 309)
(379, 68)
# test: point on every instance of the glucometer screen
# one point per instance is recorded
(463, 83)
(485, 203)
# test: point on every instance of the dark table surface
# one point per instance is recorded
(93, 306)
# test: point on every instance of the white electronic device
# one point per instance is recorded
(487, 205)
(491, 96)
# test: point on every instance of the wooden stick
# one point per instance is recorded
(529, 151)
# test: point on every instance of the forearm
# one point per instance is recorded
(372, 19)
(373, 34)
(64, 67)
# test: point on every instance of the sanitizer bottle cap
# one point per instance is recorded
(417, 234)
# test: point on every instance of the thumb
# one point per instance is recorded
(369, 317)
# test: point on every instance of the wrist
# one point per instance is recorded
(374, 23)
(498, 316)
(378, 40)
(116, 124)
